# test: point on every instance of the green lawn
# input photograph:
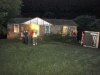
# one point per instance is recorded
(47, 59)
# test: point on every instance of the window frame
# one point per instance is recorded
(46, 29)
(14, 28)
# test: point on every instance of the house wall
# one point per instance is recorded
(26, 27)
(56, 29)
(69, 30)
(11, 33)
(62, 29)
(42, 30)
(53, 29)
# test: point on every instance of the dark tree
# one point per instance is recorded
(84, 23)
(9, 9)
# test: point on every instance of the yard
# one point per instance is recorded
(47, 59)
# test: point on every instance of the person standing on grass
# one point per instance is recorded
(22, 36)
(26, 37)
(35, 38)
(31, 34)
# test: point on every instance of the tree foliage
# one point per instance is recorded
(95, 26)
(9, 9)
(84, 22)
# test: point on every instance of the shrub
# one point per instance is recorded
(59, 38)
(69, 39)
(56, 37)
(46, 37)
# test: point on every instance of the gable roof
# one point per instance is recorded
(61, 22)
(47, 21)
(37, 20)
(20, 20)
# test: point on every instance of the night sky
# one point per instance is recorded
(60, 9)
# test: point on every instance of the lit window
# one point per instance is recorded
(16, 28)
(47, 29)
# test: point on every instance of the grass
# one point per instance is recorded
(47, 59)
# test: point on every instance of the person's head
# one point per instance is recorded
(26, 30)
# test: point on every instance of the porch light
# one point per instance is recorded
(34, 26)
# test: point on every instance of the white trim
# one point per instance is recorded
(14, 28)
(39, 30)
(37, 21)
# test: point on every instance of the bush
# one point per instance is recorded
(59, 38)
(46, 37)
(69, 39)
(56, 37)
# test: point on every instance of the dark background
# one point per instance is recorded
(65, 9)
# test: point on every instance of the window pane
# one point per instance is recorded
(16, 28)
(47, 29)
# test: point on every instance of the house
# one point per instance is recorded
(42, 26)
